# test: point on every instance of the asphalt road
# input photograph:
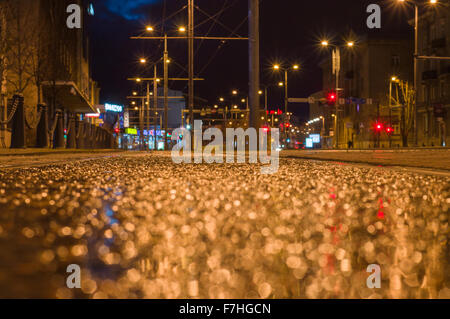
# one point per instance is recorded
(144, 227)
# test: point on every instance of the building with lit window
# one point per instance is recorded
(433, 120)
(45, 60)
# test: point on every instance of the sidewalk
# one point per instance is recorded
(422, 158)
(13, 158)
(48, 151)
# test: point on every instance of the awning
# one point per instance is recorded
(69, 96)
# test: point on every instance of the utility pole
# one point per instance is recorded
(286, 92)
(148, 114)
(416, 70)
(166, 91)
(253, 21)
(141, 123)
(337, 63)
(191, 61)
(191, 38)
(155, 106)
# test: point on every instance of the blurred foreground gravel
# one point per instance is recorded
(143, 227)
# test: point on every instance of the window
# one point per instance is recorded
(395, 61)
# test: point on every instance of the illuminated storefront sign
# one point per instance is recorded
(309, 143)
(92, 115)
(131, 131)
(315, 138)
(113, 108)
(126, 119)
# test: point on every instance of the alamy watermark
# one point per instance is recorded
(374, 19)
(374, 280)
(236, 141)
(74, 279)
(74, 19)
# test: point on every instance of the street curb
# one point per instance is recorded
(52, 152)
(363, 162)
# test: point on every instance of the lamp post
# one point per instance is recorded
(277, 67)
(336, 65)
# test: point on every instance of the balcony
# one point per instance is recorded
(438, 43)
(429, 75)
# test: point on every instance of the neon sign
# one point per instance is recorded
(113, 108)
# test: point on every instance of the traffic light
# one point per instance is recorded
(378, 127)
(389, 130)
(331, 98)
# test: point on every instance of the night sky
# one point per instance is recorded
(290, 31)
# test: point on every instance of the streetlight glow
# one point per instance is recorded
(149, 28)
(280, 84)
(234, 92)
(296, 67)
(276, 67)
(324, 43)
(182, 29)
(142, 60)
(350, 43)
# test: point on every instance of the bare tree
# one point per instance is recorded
(404, 97)
(18, 36)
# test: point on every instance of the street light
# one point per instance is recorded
(149, 28)
(143, 61)
(182, 29)
(336, 69)
(234, 92)
(277, 67)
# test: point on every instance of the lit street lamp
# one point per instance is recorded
(336, 69)
(277, 67)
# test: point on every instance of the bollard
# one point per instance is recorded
(42, 140)
(87, 135)
(80, 135)
(104, 133)
(71, 133)
(102, 136)
(98, 137)
(58, 137)
(18, 124)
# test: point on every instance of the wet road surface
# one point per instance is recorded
(144, 227)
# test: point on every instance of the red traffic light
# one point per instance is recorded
(389, 130)
(331, 98)
(378, 127)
